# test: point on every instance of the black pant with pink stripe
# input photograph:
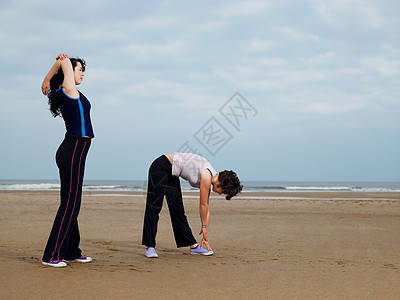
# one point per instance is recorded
(63, 242)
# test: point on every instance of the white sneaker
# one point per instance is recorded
(151, 252)
(200, 251)
(55, 263)
(82, 259)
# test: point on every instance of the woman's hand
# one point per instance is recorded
(205, 241)
(45, 86)
(61, 56)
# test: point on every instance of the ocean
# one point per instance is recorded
(248, 186)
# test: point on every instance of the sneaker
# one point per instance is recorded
(200, 251)
(151, 252)
(55, 263)
(82, 259)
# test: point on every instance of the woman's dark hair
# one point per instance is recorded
(230, 183)
(55, 83)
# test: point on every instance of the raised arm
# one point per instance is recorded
(205, 185)
(62, 61)
(46, 81)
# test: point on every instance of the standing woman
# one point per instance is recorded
(163, 180)
(67, 102)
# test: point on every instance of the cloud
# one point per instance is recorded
(258, 45)
(244, 8)
(321, 59)
(274, 72)
(320, 102)
(325, 107)
(296, 34)
(106, 35)
(153, 23)
(171, 48)
(210, 26)
(341, 11)
(167, 94)
(382, 65)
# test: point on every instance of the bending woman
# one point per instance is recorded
(67, 102)
(163, 180)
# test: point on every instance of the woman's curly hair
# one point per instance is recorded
(55, 83)
(229, 183)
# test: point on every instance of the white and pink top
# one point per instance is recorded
(189, 166)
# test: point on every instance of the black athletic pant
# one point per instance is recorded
(160, 183)
(63, 242)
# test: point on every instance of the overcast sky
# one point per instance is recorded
(275, 90)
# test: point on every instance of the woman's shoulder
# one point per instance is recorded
(62, 94)
(82, 95)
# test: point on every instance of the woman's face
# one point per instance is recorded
(78, 73)
(217, 188)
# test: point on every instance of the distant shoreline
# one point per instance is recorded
(246, 195)
(248, 186)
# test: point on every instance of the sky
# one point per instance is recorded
(289, 90)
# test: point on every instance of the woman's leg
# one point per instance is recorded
(70, 157)
(157, 183)
(73, 250)
(182, 232)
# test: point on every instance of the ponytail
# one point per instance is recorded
(55, 83)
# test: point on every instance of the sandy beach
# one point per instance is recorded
(282, 245)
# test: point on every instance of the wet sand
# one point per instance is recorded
(285, 245)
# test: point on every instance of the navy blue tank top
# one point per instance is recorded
(76, 114)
